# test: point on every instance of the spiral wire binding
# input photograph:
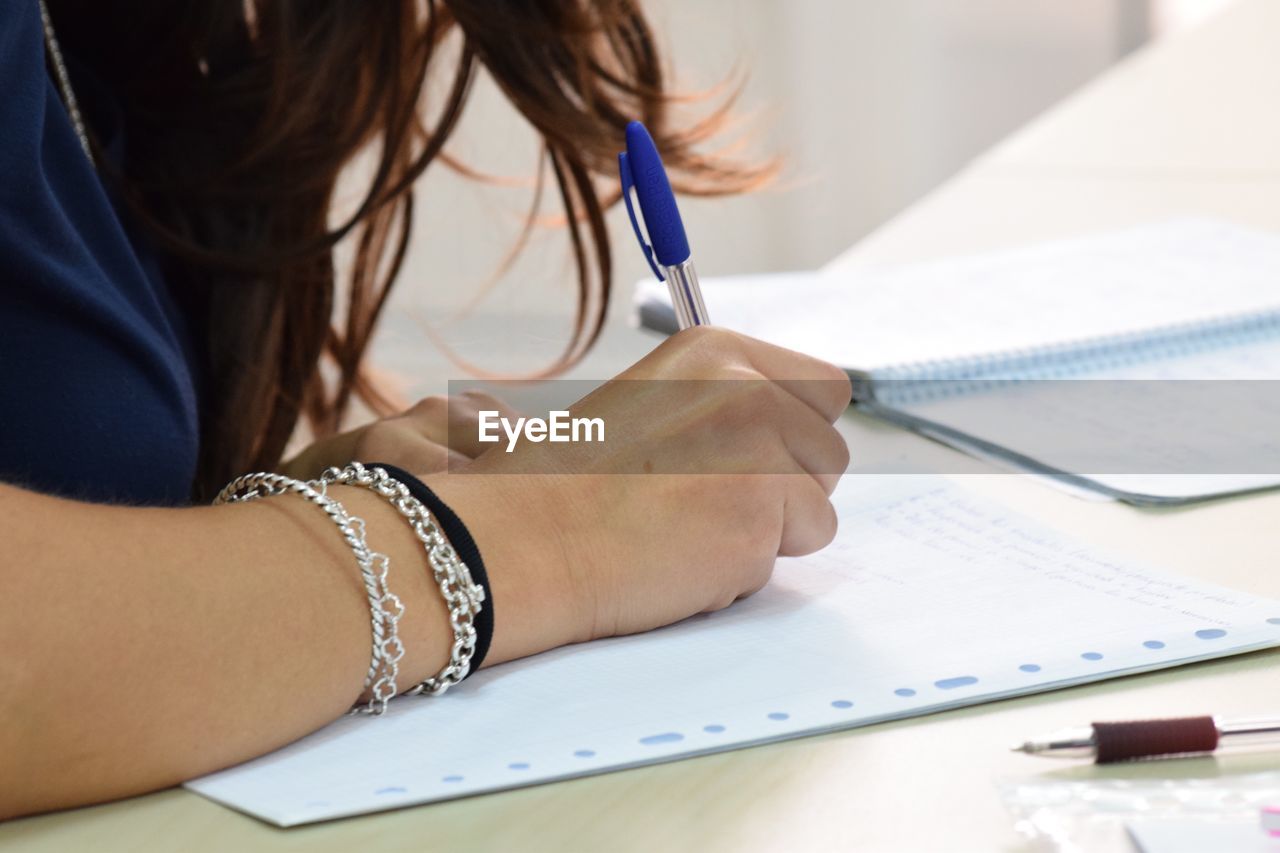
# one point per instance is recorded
(935, 379)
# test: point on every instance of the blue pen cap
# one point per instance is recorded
(657, 201)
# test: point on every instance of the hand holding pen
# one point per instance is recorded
(595, 554)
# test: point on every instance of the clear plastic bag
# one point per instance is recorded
(1090, 815)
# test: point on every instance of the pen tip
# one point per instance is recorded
(1020, 747)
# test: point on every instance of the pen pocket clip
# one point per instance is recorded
(628, 187)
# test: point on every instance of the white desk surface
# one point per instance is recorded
(1190, 126)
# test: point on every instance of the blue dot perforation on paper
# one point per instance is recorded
(953, 683)
(714, 728)
(665, 737)
(842, 703)
(1092, 655)
(1211, 633)
(779, 715)
(904, 691)
(1030, 667)
(1153, 644)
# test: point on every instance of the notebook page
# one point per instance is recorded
(1165, 274)
(929, 598)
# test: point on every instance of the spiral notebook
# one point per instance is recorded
(1176, 325)
(930, 598)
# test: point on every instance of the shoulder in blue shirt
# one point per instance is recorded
(97, 400)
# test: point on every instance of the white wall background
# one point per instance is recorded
(871, 102)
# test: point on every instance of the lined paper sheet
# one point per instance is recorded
(929, 598)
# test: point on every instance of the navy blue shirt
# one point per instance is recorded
(97, 399)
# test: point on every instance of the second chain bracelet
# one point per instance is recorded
(462, 595)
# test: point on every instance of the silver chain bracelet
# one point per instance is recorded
(463, 596)
(385, 608)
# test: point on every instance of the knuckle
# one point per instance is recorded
(429, 406)
(781, 405)
(825, 526)
(432, 458)
(707, 347)
(760, 578)
(477, 399)
(722, 601)
(709, 336)
(841, 390)
(840, 452)
(751, 402)
(832, 525)
(739, 372)
(838, 378)
(835, 386)
(374, 440)
(753, 590)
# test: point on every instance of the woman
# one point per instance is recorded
(168, 284)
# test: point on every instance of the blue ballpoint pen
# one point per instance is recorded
(641, 169)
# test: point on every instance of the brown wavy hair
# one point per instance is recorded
(240, 115)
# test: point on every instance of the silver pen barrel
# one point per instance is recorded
(686, 295)
(1067, 743)
(1248, 731)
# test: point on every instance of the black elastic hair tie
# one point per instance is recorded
(463, 544)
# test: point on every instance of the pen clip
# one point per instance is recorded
(628, 185)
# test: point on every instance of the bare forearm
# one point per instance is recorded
(142, 647)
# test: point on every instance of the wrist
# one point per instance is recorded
(526, 557)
